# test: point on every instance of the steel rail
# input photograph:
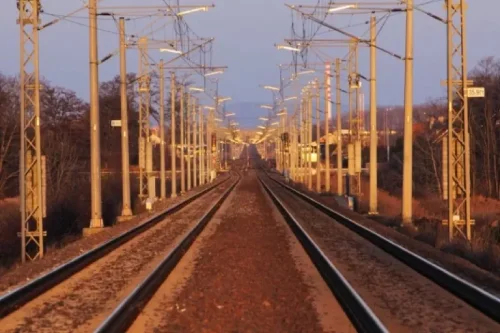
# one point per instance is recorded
(478, 298)
(360, 314)
(125, 314)
(16, 298)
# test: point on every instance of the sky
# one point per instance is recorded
(245, 33)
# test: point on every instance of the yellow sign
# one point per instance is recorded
(475, 92)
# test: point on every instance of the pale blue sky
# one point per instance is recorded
(245, 33)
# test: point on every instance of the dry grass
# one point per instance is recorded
(66, 216)
(10, 218)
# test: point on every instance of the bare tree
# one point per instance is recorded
(9, 131)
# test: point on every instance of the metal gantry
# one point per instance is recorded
(31, 183)
(458, 163)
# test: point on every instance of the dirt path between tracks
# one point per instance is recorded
(246, 273)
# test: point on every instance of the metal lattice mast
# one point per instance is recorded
(30, 168)
(144, 98)
(354, 119)
(351, 72)
(459, 209)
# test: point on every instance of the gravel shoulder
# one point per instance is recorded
(80, 303)
(459, 266)
(245, 273)
(403, 300)
(23, 273)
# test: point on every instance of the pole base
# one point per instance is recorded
(124, 218)
(96, 223)
(91, 231)
(372, 213)
(173, 196)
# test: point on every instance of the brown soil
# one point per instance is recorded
(20, 274)
(403, 300)
(245, 278)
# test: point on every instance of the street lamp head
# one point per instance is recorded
(189, 11)
(272, 88)
(288, 48)
(214, 73)
(311, 71)
(266, 107)
(196, 89)
(170, 50)
(337, 9)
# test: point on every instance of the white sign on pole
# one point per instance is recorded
(116, 123)
(475, 92)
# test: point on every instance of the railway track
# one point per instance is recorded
(55, 300)
(242, 266)
(394, 282)
(358, 311)
(243, 277)
(126, 312)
